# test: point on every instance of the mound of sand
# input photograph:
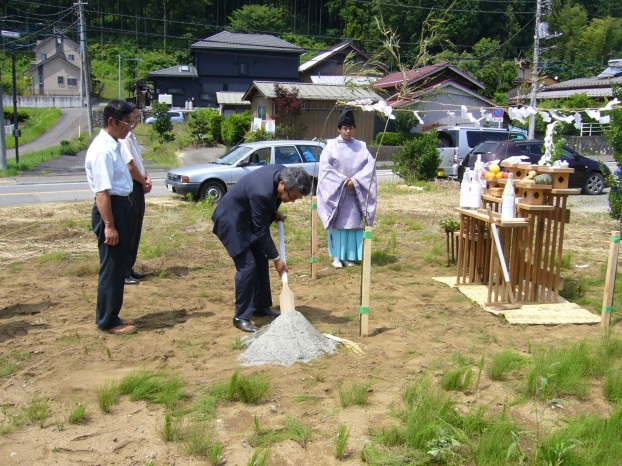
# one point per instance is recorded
(289, 339)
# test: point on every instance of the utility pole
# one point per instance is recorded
(119, 76)
(3, 161)
(534, 70)
(542, 32)
(86, 75)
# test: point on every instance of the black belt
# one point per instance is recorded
(114, 197)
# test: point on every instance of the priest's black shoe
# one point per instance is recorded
(245, 325)
(266, 312)
(137, 276)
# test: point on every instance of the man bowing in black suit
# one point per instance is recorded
(242, 223)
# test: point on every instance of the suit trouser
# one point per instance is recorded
(252, 282)
(113, 264)
(137, 202)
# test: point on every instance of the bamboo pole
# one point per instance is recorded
(614, 249)
(365, 283)
(314, 238)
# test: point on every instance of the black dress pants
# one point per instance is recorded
(137, 202)
(113, 264)
(252, 282)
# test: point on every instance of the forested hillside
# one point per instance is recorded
(484, 37)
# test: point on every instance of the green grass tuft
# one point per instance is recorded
(77, 414)
(354, 394)
(504, 363)
(108, 396)
(155, 387)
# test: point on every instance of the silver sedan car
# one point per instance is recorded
(214, 179)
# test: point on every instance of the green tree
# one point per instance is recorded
(601, 40)
(235, 127)
(162, 124)
(205, 125)
(259, 18)
(419, 159)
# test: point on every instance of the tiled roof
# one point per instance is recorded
(235, 41)
(308, 91)
(179, 71)
(581, 83)
(418, 74)
(340, 80)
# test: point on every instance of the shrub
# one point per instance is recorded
(162, 124)
(258, 135)
(386, 138)
(614, 137)
(205, 125)
(235, 127)
(419, 159)
(67, 148)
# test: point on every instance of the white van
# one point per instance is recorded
(457, 142)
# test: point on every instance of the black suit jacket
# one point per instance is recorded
(244, 214)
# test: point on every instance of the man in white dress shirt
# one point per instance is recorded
(111, 182)
(131, 151)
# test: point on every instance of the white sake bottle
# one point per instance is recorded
(508, 200)
(475, 191)
(465, 188)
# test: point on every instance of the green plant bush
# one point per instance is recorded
(258, 135)
(162, 124)
(387, 138)
(205, 125)
(614, 137)
(235, 127)
(419, 159)
(67, 148)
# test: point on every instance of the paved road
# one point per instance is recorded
(71, 122)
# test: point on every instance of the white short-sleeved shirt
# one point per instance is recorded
(105, 168)
(132, 151)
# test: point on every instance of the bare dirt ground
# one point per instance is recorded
(48, 276)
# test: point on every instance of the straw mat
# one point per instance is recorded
(562, 312)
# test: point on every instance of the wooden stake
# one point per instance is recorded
(610, 281)
(314, 238)
(365, 283)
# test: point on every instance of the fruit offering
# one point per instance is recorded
(494, 168)
(529, 179)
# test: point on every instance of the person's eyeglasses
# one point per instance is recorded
(130, 126)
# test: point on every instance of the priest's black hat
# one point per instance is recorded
(346, 118)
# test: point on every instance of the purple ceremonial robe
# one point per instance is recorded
(339, 207)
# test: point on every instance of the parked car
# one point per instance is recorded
(214, 179)
(458, 141)
(176, 117)
(589, 175)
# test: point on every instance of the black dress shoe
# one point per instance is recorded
(137, 276)
(266, 312)
(245, 325)
(131, 281)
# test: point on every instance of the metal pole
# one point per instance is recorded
(119, 77)
(534, 71)
(3, 161)
(15, 128)
(85, 73)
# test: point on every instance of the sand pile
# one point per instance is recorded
(289, 339)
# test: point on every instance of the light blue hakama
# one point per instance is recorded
(347, 245)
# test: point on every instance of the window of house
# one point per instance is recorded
(61, 80)
(43, 56)
(261, 112)
(176, 90)
(71, 57)
(72, 81)
(225, 87)
(243, 69)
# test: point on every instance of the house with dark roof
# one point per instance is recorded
(339, 61)
(228, 62)
(437, 92)
(599, 87)
(56, 68)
